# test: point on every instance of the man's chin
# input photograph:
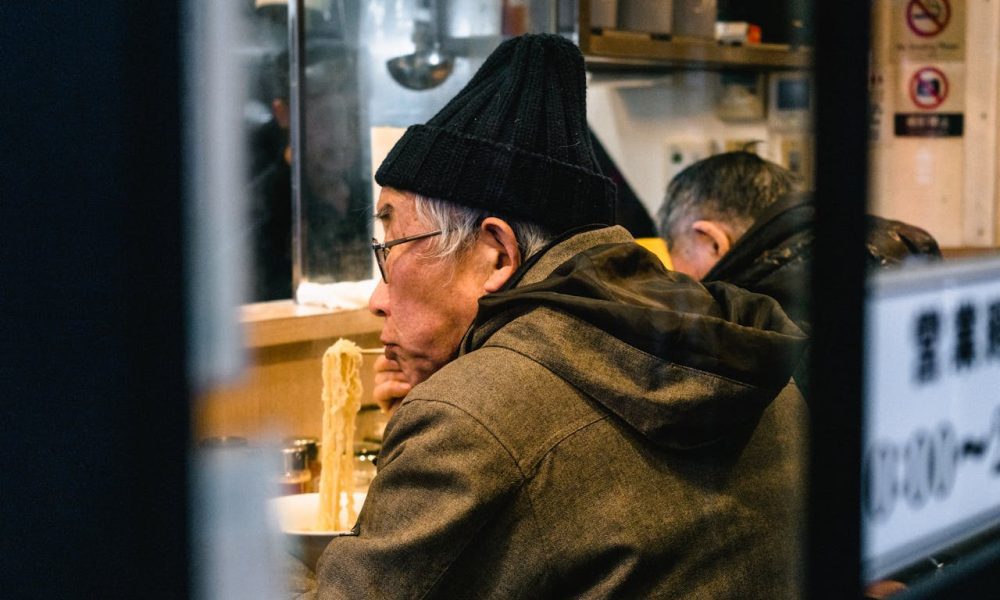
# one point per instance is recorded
(415, 367)
(417, 370)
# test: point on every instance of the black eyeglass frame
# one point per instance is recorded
(381, 249)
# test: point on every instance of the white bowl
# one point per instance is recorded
(297, 517)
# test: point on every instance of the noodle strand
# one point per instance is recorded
(341, 403)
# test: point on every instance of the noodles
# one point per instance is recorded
(341, 402)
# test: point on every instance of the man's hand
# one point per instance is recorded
(390, 385)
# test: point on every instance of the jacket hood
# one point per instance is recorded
(774, 256)
(685, 364)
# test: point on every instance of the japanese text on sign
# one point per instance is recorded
(931, 471)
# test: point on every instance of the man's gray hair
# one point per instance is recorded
(733, 187)
(460, 227)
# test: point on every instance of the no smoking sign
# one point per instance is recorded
(929, 30)
(928, 88)
(928, 61)
(927, 18)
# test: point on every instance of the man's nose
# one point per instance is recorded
(378, 303)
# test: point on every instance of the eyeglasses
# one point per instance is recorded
(381, 249)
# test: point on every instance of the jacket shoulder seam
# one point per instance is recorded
(519, 488)
(560, 435)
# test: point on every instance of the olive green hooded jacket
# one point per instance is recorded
(608, 430)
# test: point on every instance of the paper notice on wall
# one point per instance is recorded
(877, 100)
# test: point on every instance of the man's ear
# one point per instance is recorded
(714, 235)
(505, 254)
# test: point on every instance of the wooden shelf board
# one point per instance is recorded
(637, 51)
(285, 322)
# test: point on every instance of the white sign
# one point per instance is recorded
(931, 471)
(929, 29)
(931, 87)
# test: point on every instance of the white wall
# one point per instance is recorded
(643, 122)
(946, 185)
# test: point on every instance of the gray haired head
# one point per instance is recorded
(733, 187)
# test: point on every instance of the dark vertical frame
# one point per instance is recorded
(296, 131)
(154, 323)
(843, 38)
(842, 34)
(95, 417)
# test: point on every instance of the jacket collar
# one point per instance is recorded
(541, 264)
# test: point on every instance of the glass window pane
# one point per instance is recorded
(664, 96)
(931, 497)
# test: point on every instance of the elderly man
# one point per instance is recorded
(738, 218)
(577, 421)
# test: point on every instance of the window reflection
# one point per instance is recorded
(267, 118)
(270, 191)
(335, 190)
(930, 495)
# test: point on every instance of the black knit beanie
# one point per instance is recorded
(514, 141)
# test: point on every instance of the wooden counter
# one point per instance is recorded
(279, 395)
(969, 251)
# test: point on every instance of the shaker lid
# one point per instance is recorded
(293, 458)
(310, 444)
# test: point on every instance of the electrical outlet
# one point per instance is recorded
(682, 152)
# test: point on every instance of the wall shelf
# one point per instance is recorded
(285, 322)
(612, 50)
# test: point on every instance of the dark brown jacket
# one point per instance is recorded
(609, 430)
(774, 257)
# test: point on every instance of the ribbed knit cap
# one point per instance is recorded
(514, 141)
